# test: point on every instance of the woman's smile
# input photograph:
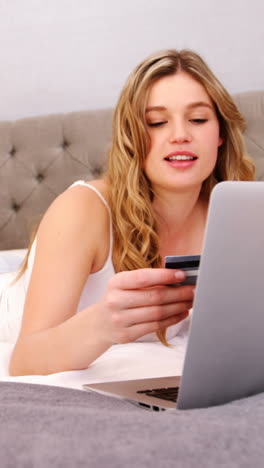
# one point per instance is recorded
(181, 159)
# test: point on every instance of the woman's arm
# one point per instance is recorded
(53, 337)
(66, 252)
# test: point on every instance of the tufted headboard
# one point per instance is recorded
(41, 156)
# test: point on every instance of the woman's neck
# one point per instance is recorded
(174, 210)
(181, 221)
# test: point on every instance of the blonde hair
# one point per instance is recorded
(136, 242)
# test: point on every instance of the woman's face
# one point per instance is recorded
(184, 133)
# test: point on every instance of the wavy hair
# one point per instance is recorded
(136, 242)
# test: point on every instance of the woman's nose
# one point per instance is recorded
(179, 132)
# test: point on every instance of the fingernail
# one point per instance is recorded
(179, 274)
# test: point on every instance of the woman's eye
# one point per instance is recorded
(199, 121)
(156, 124)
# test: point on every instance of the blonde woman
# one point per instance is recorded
(100, 247)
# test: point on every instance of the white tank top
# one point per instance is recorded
(12, 295)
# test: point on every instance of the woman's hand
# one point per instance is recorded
(140, 301)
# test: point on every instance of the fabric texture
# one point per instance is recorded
(44, 426)
(10, 260)
(46, 154)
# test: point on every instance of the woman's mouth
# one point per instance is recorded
(181, 160)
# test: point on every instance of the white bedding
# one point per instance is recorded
(10, 260)
(121, 362)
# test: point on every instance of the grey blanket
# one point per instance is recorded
(44, 426)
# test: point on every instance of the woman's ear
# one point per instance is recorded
(220, 141)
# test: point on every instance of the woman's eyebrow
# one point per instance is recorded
(193, 105)
(155, 108)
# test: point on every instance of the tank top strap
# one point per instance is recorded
(86, 184)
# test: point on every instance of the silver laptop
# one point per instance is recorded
(224, 357)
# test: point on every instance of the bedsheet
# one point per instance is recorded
(128, 361)
(120, 362)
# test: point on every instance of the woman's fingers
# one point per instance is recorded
(154, 313)
(164, 295)
(129, 334)
(139, 302)
(159, 295)
(146, 278)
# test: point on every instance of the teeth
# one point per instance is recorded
(181, 157)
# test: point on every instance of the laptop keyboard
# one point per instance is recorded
(169, 393)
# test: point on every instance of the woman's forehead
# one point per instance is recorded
(179, 89)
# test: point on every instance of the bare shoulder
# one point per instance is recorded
(82, 199)
(101, 186)
(77, 213)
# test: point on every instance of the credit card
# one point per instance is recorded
(188, 263)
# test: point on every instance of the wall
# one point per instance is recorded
(65, 55)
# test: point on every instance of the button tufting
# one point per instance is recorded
(65, 144)
(40, 177)
(15, 207)
(12, 152)
(96, 171)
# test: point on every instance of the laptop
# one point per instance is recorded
(225, 349)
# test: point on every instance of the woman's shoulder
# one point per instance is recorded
(91, 189)
(83, 193)
(78, 209)
(99, 184)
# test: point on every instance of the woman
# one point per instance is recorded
(176, 133)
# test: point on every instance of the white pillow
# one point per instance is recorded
(10, 260)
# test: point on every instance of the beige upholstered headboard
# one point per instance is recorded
(41, 156)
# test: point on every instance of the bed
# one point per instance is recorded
(51, 420)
